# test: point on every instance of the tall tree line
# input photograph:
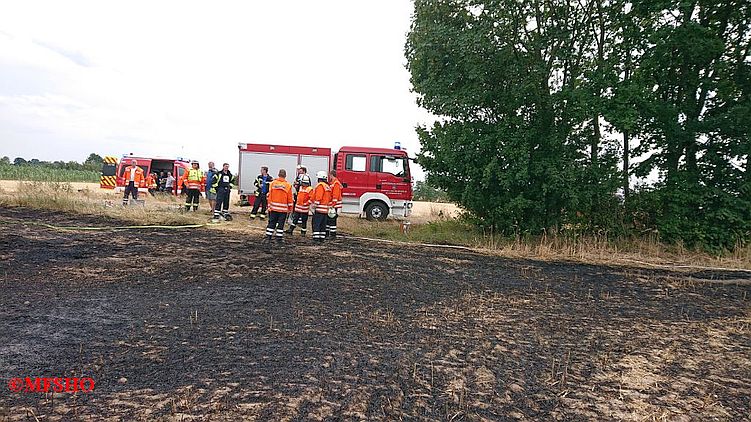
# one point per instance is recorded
(551, 110)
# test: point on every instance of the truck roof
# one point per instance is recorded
(388, 151)
(133, 157)
(284, 149)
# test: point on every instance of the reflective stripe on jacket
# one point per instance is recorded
(262, 184)
(150, 182)
(303, 199)
(280, 196)
(223, 180)
(336, 194)
(322, 197)
(194, 179)
(138, 179)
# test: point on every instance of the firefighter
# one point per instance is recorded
(302, 207)
(193, 180)
(151, 183)
(320, 206)
(133, 176)
(280, 204)
(262, 189)
(336, 204)
(221, 186)
(302, 172)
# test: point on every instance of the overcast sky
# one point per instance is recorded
(192, 79)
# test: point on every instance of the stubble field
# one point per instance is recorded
(200, 324)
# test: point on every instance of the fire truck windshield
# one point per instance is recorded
(389, 164)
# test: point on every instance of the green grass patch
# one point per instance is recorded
(46, 174)
(442, 232)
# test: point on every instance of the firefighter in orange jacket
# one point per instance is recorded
(280, 204)
(336, 204)
(133, 176)
(302, 206)
(320, 206)
(151, 183)
(193, 180)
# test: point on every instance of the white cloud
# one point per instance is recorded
(195, 78)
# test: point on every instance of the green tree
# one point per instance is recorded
(424, 192)
(518, 143)
(694, 119)
(539, 102)
(93, 162)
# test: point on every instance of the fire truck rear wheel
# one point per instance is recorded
(376, 210)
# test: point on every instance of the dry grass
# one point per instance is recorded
(65, 197)
(595, 249)
(431, 226)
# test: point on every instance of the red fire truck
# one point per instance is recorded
(112, 170)
(376, 181)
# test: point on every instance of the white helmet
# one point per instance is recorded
(322, 175)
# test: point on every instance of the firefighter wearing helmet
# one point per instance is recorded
(193, 180)
(302, 173)
(302, 206)
(336, 204)
(320, 206)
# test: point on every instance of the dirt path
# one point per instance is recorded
(206, 324)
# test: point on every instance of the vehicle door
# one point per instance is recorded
(389, 174)
(352, 172)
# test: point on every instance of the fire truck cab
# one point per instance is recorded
(376, 181)
(113, 171)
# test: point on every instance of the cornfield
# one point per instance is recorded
(46, 174)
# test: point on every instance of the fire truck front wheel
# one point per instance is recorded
(376, 210)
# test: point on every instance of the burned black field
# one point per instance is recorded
(203, 324)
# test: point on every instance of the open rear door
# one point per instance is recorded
(109, 170)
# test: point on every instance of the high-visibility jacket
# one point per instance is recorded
(322, 197)
(150, 182)
(194, 179)
(138, 179)
(336, 193)
(222, 180)
(262, 184)
(304, 195)
(280, 195)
